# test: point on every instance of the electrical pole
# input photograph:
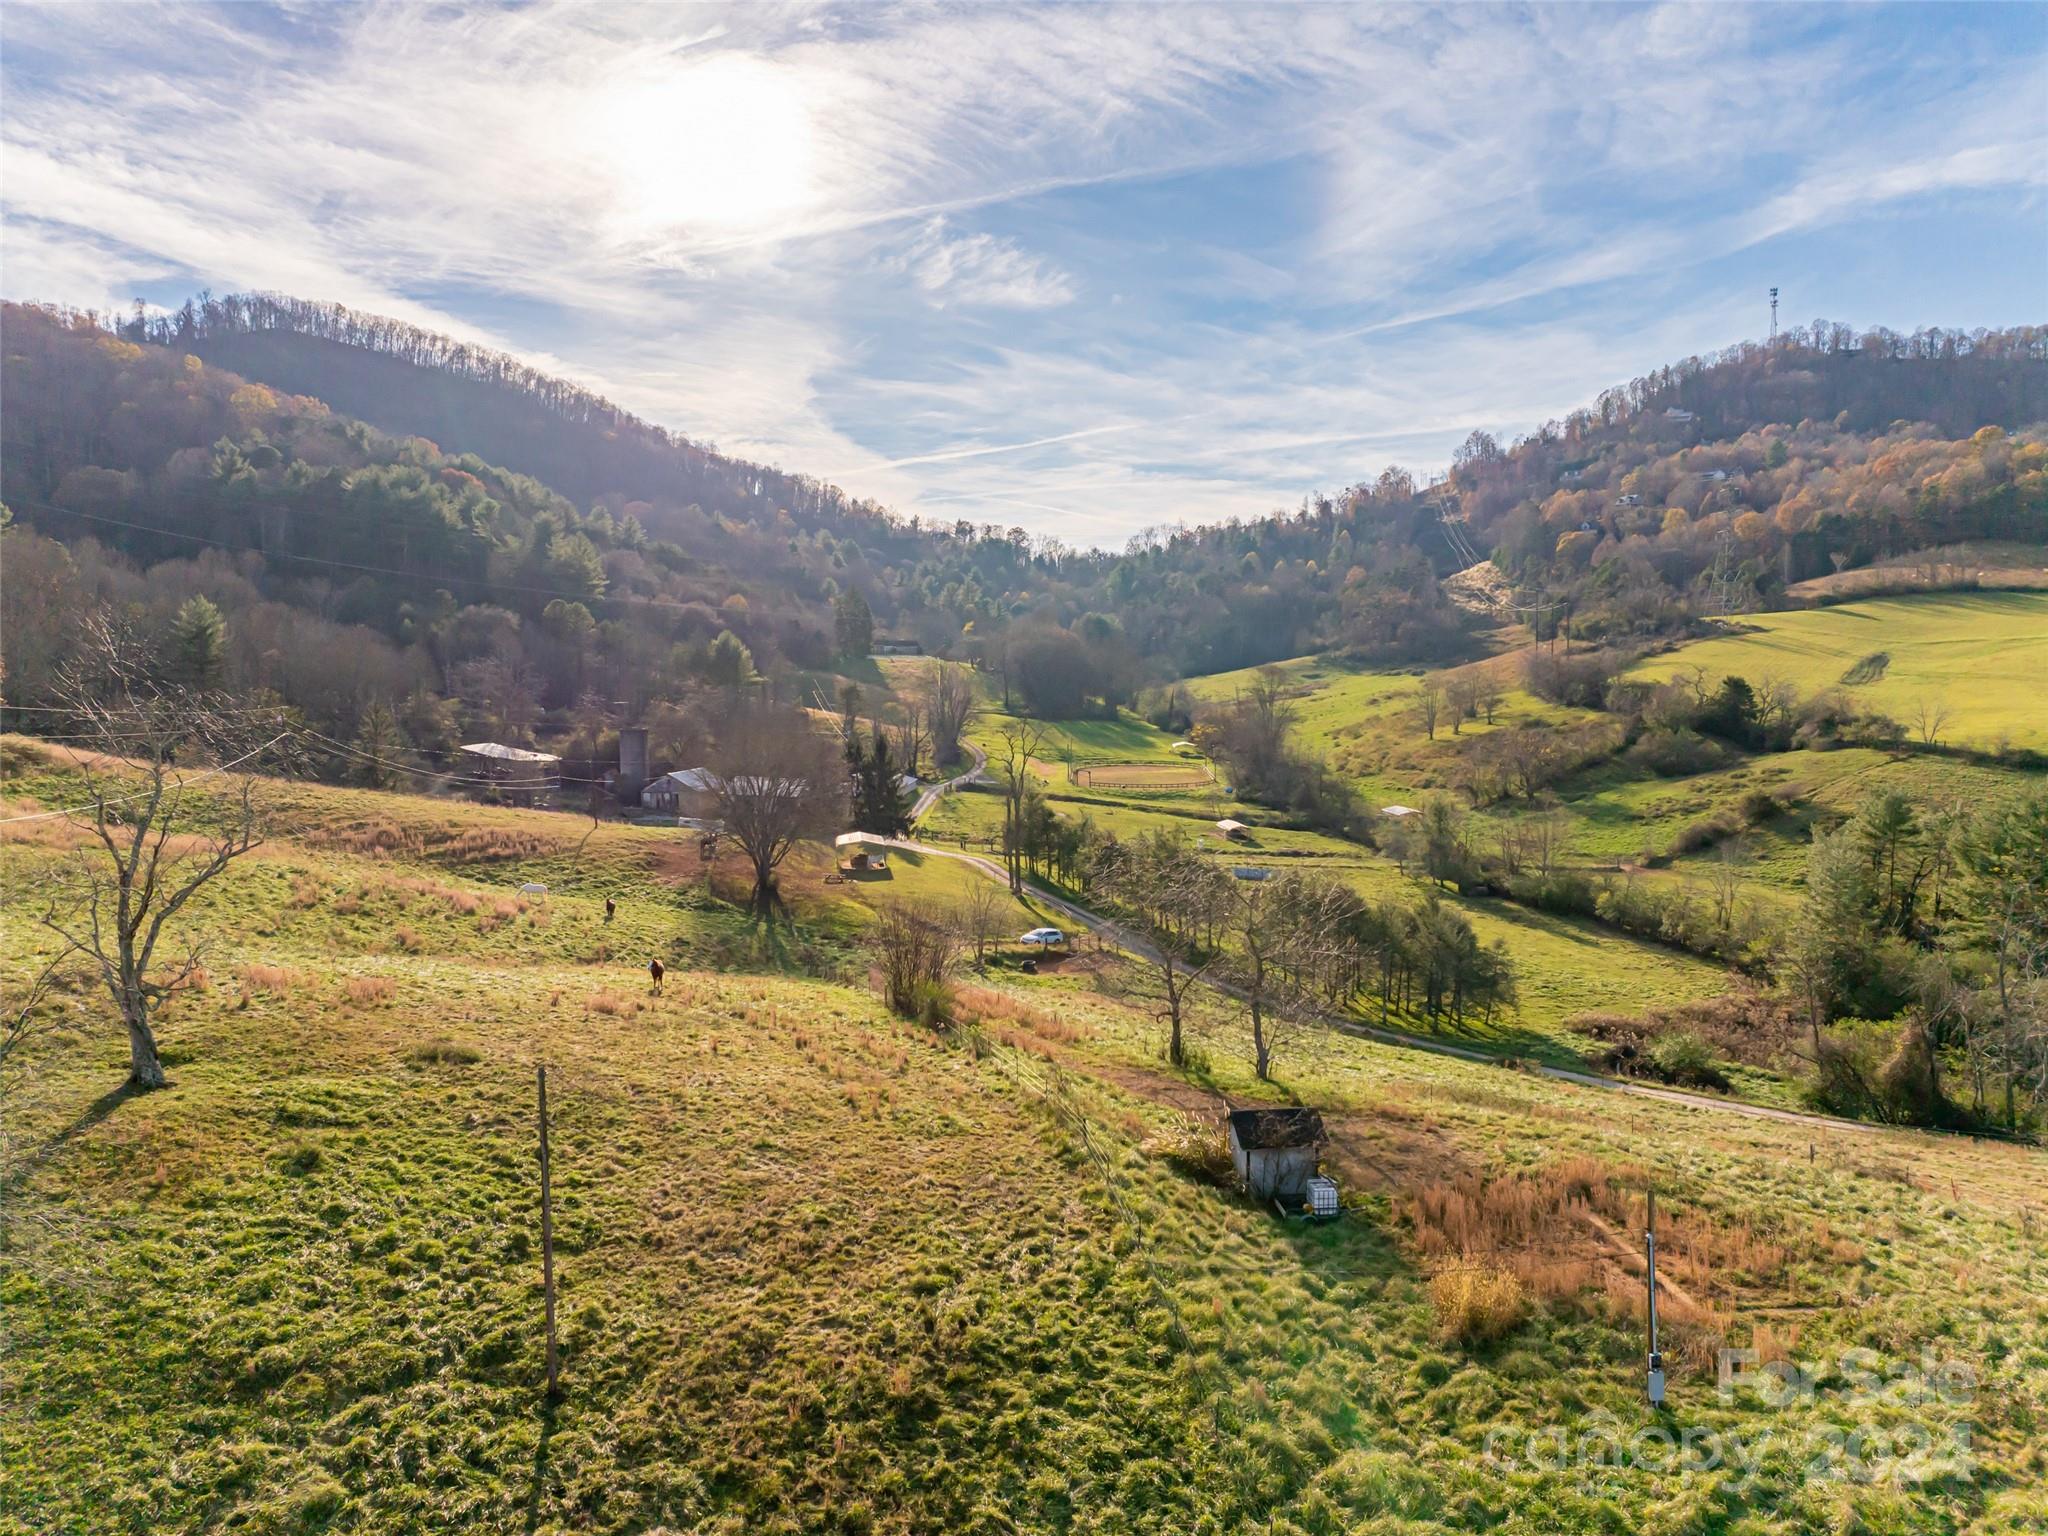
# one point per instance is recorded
(547, 1239)
(1656, 1378)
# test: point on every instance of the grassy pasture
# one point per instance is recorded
(825, 1271)
(1142, 776)
(1368, 724)
(1981, 654)
(1565, 966)
(1085, 743)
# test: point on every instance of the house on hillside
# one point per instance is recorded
(1673, 413)
(683, 792)
(1275, 1151)
(898, 648)
(513, 775)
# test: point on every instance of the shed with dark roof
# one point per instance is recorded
(1275, 1151)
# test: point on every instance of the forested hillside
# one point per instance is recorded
(1713, 485)
(495, 536)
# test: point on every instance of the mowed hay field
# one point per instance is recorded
(823, 1270)
(1192, 776)
(1124, 739)
(1980, 654)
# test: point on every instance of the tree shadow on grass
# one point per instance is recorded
(537, 1485)
(97, 1111)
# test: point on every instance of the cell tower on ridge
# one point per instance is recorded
(1774, 316)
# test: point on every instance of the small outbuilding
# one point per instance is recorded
(1275, 1152)
(1232, 828)
(493, 771)
(1399, 812)
(862, 850)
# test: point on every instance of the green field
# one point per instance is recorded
(1126, 739)
(1368, 724)
(1979, 654)
(823, 1270)
(1564, 966)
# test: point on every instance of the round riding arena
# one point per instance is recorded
(1189, 775)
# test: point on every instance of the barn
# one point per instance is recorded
(1275, 1151)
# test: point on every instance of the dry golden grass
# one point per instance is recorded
(1477, 1303)
(1195, 1144)
(985, 1006)
(454, 840)
(369, 989)
(278, 979)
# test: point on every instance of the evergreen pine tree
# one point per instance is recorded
(855, 623)
(378, 741)
(881, 804)
(199, 644)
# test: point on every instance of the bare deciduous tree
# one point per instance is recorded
(1017, 744)
(1461, 697)
(1930, 719)
(1430, 701)
(779, 783)
(1177, 899)
(949, 707)
(982, 920)
(1277, 930)
(916, 948)
(156, 840)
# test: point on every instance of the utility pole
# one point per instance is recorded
(547, 1238)
(1656, 1378)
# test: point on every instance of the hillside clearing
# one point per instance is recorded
(1979, 654)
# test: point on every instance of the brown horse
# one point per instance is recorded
(655, 969)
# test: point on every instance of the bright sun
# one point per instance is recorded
(725, 144)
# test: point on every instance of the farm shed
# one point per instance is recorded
(492, 770)
(1232, 828)
(862, 850)
(1275, 1151)
(684, 792)
(1399, 811)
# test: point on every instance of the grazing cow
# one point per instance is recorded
(654, 969)
(611, 909)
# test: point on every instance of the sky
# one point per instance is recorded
(1087, 269)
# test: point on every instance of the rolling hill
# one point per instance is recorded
(823, 1269)
(1972, 658)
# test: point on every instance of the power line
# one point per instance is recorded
(72, 810)
(1463, 549)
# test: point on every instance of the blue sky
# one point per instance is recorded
(1088, 269)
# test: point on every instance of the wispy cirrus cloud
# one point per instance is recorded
(1110, 266)
(983, 270)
